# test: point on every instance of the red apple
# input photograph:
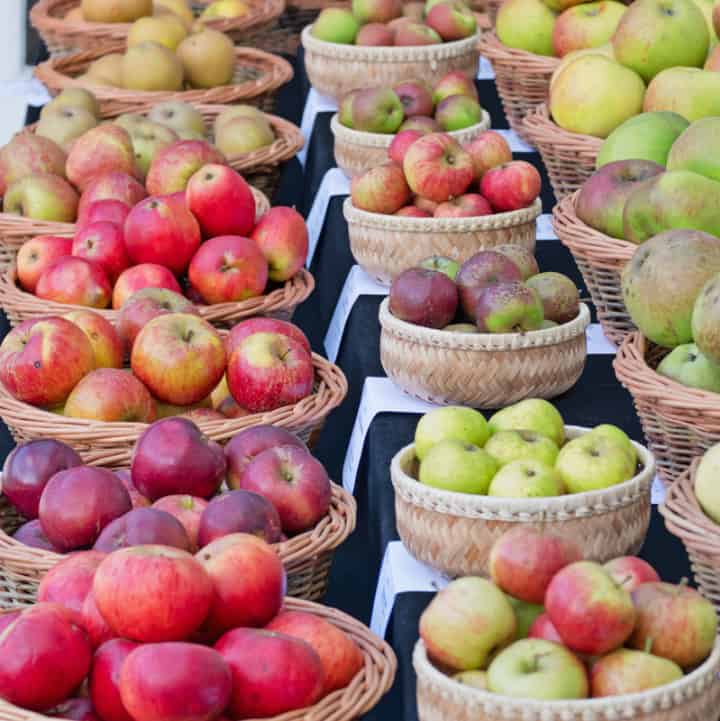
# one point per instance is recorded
(94, 625)
(382, 189)
(488, 150)
(104, 339)
(32, 534)
(42, 359)
(76, 709)
(469, 205)
(415, 98)
(102, 243)
(173, 166)
(108, 210)
(375, 34)
(137, 499)
(401, 143)
(282, 236)
(104, 681)
(264, 325)
(111, 186)
(428, 206)
(631, 571)
(145, 275)
(230, 408)
(142, 527)
(37, 255)
(423, 124)
(423, 297)
(542, 627)
(7, 618)
(75, 281)
(511, 186)
(416, 34)
(152, 593)
(452, 20)
(70, 581)
(411, 211)
(187, 510)
(456, 82)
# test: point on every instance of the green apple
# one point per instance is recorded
(525, 615)
(64, 124)
(526, 479)
(537, 669)
(526, 25)
(532, 414)
(450, 423)
(707, 488)
(73, 98)
(625, 671)
(589, 463)
(42, 197)
(687, 365)
(457, 466)
(508, 446)
(613, 433)
(181, 117)
(148, 139)
(476, 679)
(445, 265)
(336, 25)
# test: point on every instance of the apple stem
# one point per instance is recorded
(648, 644)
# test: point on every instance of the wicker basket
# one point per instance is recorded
(258, 75)
(335, 69)
(601, 260)
(680, 423)
(695, 697)
(307, 557)
(370, 684)
(569, 157)
(454, 532)
(62, 37)
(357, 151)
(385, 245)
(522, 78)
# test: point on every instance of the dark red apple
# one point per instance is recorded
(143, 526)
(186, 509)
(137, 498)
(32, 534)
(105, 679)
(95, 626)
(423, 297)
(70, 581)
(479, 271)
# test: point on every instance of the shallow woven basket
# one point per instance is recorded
(386, 245)
(369, 685)
(601, 260)
(454, 532)
(695, 697)
(679, 422)
(357, 151)
(522, 78)
(258, 76)
(62, 37)
(569, 157)
(335, 69)
(307, 557)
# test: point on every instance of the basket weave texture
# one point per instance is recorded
(386, 245)
(454, 532)
(482, 370)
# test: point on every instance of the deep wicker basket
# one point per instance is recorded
(454, 532)
(695, 697)
(335, 69)
(680, 423)
(357, 151)
(522, 78)
(569, 157)
(258, 76)
(385, 245)
(601, 260)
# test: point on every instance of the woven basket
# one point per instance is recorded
(62, 37)
(258, 75)
(307, 557)
(357, 151)
(482, 370)
(695, 697)
(680, 423)
(335, 69)
(385, 245)
(522, 78)
(569, 157)
(370, 684)
(454, 532)
(601, 260)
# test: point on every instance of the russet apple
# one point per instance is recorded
(511, 186)
(452, 20)
(139, 277)
(103, 243)
(382, 189)
(412, 34)
(104, 339)
(174, 165)
(104, 680)
(415, 98)
(208, 58)
(187, 510)
(142, 527)
(282, 236)
(36, 255)
(523, 258)
(114, 185)
(75, 281)
(558, 294)
(108, 210)
(376, 11)
(375, 34)
(31, 534)
(423, 297)
(469, 205)
(377, 110)
(70, 580)
(151, 66)
(400, 144)
(42, 197)
(29, 154)
(64, 125)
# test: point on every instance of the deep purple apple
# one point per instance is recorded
(423, 297)
(141, 527)
(478, 272)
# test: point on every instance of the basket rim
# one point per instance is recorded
(496, 51)
(541, 128)
(474, 224)
(550, 508)
(480, 342)
(661, 698)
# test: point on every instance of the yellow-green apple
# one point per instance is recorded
(148, 139)
(423, 297)
(455, 82)
(657, 34)
(207, 57)
(173, 166)
(75, 281)
(64, 125)
(527, 478)
(606, 50)
(112, 211)
(466, 623)
(339, 654)
(50, 657)
(475, 679)
(415, 97)
(29, 154)
(526, 25)
(631, 571)
(522, 257)
(488, 150)
(591, 462)
(686, 364)
(704, 483)
(100, 497)
(457, 112)
(181, 117)
(469, 205)
(345, 109)
(42, 197)
(151, 66)
(224, 9)
(542, 627)
(239, 511)
(457, 466)
(514, 445)
(31, 534)
(533, 668)
(106, 70)
(111, 186)
(602, 197)
(104, 679)
(248, 581)
(591, 612)
(412, 211)
(481, 270)
(674, 622)
(103, 243)
(382, 189)
(221, 201)
(441, 263)
(243, 135)
(586, 26)
(376, 11)
(142, 527)
(177, 593)
(525, 615)
(180, 358)
(410, 33)
(237, 111)
(419, 122)
(36, 255)
(377, 110)
(336, 25)
(263, 693)
(125, 11)
(138, 277)
(70, 581)
(167, 29)
(228, 268)
(690, 92)
(627, 672)
(559, 296)
(180, 7)
(162, 230)
(282, 236)
(28, 468)
(532, 414)
(375, 34)
(73, 98)
(511, 186)
(663, 279)
(508, 307)
(693, 150)
(450, 423)
(104, 339)
(400, 144)
(452, 20)
(187, 510)
(130, 121)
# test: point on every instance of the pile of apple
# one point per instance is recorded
(128, 11)
(521, 452)
(432, 175)
(386, 23)
(494, 291)
(551, 626)
(169, 496)
(411, 105)
(152, 633)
